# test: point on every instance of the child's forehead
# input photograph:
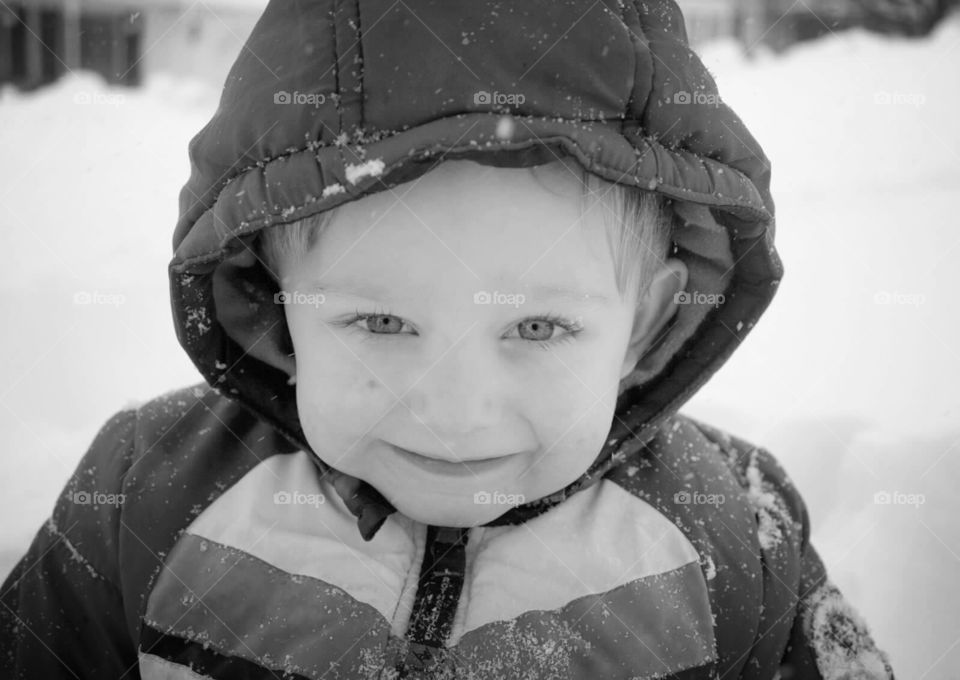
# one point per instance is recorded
(548, 287)
(561, 177)
(465, 204)
(541, 260)
(471, 191)
(517, 227)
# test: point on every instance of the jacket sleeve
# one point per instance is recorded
(828, 638)
(61, 612)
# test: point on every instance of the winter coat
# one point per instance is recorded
(200, 569)
(201, 537)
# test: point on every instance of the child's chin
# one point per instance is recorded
(449, 514)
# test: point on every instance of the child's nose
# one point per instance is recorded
(458, 395)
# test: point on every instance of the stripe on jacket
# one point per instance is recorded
(245, 608)
(157, 668)
(173, 658)
(647, 628)
(281, 513)
(259, 580)
(595, 541)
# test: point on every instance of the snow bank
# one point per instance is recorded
(88, 201)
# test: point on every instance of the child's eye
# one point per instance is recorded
(543, 330)
(381, 323)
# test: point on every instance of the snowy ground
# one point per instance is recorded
(852, 379)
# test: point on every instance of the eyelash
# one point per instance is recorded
(572, 327)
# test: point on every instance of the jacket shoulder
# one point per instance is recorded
(75, 600)
(686, 457)
(770, 491)
(182, 413)
(828, 635)
(189, 446)
(193, 429)
(86, 516)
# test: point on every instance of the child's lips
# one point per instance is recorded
(448, 467)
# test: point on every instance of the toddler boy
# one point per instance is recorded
(449, 271)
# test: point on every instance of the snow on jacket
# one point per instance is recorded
(202, 538)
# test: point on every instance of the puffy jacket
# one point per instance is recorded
(202, 537)
(194, 542)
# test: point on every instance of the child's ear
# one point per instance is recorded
(654, 310)
(288, 358)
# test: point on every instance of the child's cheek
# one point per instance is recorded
(580, 384)
(372, 397)
(589, 401)
(339, 396)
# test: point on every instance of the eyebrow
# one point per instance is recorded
(546, 292)
(536, 293)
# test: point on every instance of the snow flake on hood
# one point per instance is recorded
(199, 319)
(372, 168)
(332, 189)
(505, 128)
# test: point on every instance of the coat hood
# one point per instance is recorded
(330, 101)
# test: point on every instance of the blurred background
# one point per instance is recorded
(852, 378)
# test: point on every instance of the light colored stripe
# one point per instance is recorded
(319, 540)
(597, 540)
(155, 668)
(240, 606)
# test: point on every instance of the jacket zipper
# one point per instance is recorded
(438, 593)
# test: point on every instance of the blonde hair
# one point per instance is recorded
(638, 225)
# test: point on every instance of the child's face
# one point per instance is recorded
(490, 400)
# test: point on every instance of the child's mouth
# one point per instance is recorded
(446, 467)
